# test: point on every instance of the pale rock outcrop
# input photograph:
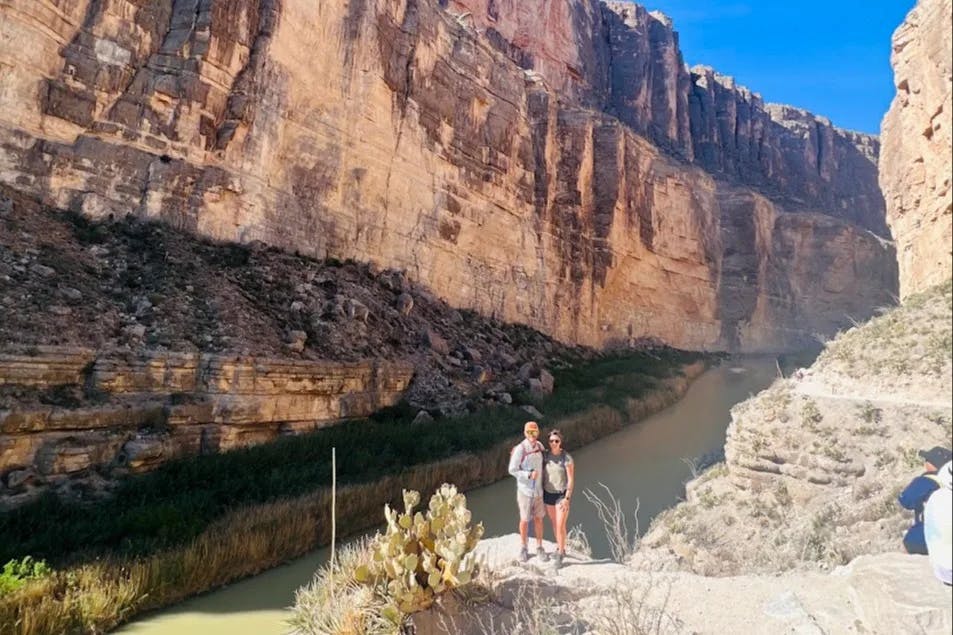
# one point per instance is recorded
(814, 464)
(888, 593)
(531, 160)
(916, 165)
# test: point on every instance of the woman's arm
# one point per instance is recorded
(570, 480)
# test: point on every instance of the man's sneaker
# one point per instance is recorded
(559, 559)
(541, 554)
(524, 554)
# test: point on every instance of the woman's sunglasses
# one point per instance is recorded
(555, 441)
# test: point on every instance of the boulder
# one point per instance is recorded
(69, 457)
(71, 294)
(43, 271)
(405, 303)
(19, 478)
(536, 387)
(547, 381)
(135, 331)
(507, 360)
(296, 341)
(533, 412)
(143, 453)
(357, 310)
(436, 342)
(334, 309)
(481, 375)
(423, 417)
(526, 371)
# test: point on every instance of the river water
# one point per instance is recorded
(643, 462)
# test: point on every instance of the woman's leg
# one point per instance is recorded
(551, 512)
(562, 517)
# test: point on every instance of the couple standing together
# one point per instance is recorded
(544, 483)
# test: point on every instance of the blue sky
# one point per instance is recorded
(832, 58)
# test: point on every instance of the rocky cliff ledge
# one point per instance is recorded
(815, 463)
(887, 593)
(915, 169)
(553, 164)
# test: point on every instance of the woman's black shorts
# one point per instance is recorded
(552, 498)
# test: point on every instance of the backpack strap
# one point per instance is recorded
(524, 453)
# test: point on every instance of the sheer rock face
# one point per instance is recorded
(548, 163)
(915, 169)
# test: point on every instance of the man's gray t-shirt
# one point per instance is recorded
(556, 478)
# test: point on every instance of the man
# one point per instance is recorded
(917, 493)
(938, 526)
(526, 464)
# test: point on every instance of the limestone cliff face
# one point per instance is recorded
(915, 170)
(549, 163)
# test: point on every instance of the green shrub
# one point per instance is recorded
(15, 573)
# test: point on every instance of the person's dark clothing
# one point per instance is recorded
(914, 497)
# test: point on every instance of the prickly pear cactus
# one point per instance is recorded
(421, 555)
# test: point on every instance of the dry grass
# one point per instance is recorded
(335, 602)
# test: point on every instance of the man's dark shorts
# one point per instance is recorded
(914, 541)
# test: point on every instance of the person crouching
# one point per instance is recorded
(915, 495)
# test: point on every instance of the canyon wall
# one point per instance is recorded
(136, 412)
(916, 166)
(554, 164)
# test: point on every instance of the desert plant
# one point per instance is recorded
(420, 555)
(621, 540)
(578, 542)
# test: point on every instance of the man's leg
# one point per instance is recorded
(914, 541)
(525, 507)
(539, 510)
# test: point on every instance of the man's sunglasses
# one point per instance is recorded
(532, 433)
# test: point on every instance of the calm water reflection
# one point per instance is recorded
(642, 462)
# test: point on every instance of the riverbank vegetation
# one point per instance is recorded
(198, 523)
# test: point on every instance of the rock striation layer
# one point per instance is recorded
(553, 164)
(916, 166)
(159, 406)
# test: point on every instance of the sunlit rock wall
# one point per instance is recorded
(548, 163)
(916, 168)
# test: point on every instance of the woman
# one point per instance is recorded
(558, 480)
